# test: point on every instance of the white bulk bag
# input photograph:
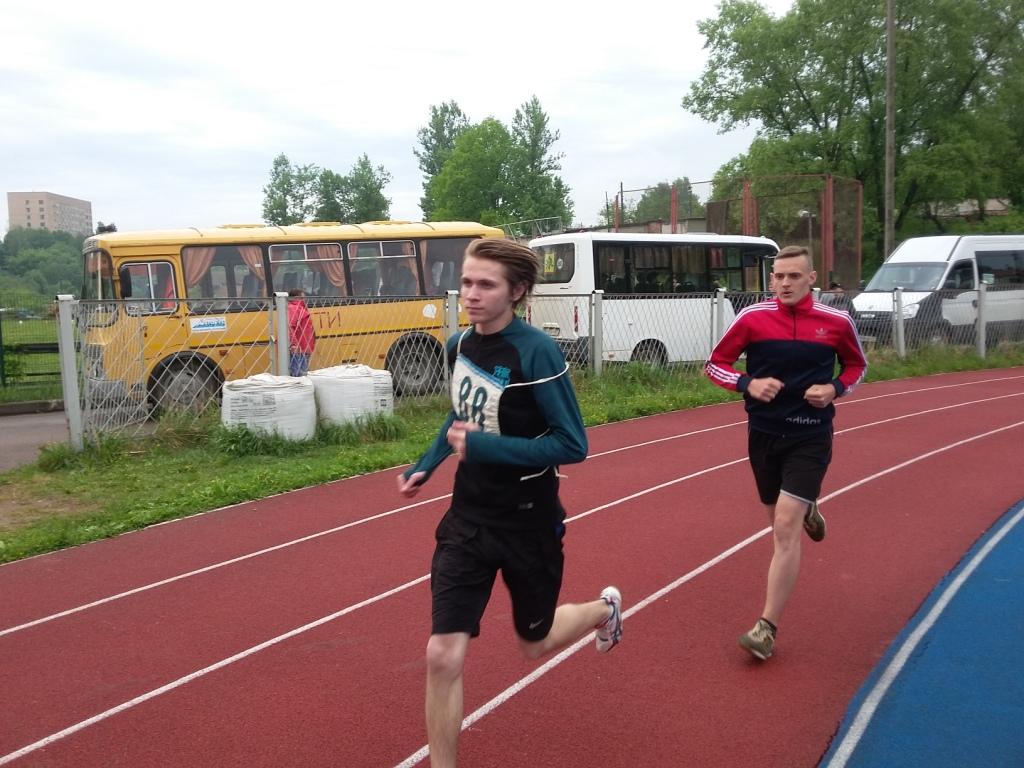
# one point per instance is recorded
(284, 405)
(346, 392)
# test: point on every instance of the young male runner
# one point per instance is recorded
(792, 343)
(514, 420)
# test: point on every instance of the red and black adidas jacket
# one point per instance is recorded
(798, 345)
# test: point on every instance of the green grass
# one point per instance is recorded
(27, 391)
(194, 465)
(34, 331)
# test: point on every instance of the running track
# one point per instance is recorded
(290, 631)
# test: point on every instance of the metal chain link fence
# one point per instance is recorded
(131, 361)
(28, 341)
(126, 362)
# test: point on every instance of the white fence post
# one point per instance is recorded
(451, 327)
(451, 314)
(718, 313)
(283, 342)
(68, 368)
(982, 330)
(898, 327)
(596, 350)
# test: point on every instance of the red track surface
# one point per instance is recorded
(657, 499)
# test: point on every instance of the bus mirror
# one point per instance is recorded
(125, 278)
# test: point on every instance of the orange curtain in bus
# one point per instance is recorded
(252, 255)
(330, 264)
(428, 278)
(197, 263)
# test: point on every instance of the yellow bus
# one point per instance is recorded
(169, 316)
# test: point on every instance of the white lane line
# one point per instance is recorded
(872, 701)
(401, 588)
(855, 399)
(214, 566)
(201, 673)
(241, 558)
(522, 683)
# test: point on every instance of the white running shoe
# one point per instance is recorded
(609, 631)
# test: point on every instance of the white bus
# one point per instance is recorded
(658, 300)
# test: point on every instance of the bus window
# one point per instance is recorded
(689, 268)
(315, 268)
(557, 262)
(150, 280)
(215, 277)
(651, 264)
(398, 269)
(442, 263)
(611, 268)
(328, 278)
(364, 261)
(99, 277)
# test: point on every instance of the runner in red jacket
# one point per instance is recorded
(791, 343)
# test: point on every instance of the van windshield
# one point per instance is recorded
(908, 276)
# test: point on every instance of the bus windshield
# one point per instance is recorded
(908, 276)
(98, 282)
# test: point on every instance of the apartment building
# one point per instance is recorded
(45, 210)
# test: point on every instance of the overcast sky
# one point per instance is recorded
(170, 114)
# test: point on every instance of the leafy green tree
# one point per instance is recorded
(498, 175)
(365, 191)
(333, 203)
(42, 262)
(473, 184)
(436, 142)
(308, 192)
(291, 195)
(656, 202)
(815, 81)
(538, 191)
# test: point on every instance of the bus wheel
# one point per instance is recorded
(416, 366)
(649, 353)
(188, 388)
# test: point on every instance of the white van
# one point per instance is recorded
(940, 277)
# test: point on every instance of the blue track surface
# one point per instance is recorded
(950, 690)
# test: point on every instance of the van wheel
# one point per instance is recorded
(649, 353)
(416, 366)
(187, 388)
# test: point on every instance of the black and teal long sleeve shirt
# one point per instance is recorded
(515, 385)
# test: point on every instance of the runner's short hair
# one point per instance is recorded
(791, 251)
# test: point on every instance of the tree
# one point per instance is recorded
(496, 175)
(365, 191)
(437, 140)
(308, 192)
(538, 191)
(42, 262)
(291, 195)
(814, 80)
(656, 202)
(332, 194)
(472, 185)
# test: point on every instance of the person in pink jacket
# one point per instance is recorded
(300, 334)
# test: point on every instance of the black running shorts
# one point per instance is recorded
(467, 558)
(794, 464)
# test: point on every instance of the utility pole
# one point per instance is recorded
(890, 128)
